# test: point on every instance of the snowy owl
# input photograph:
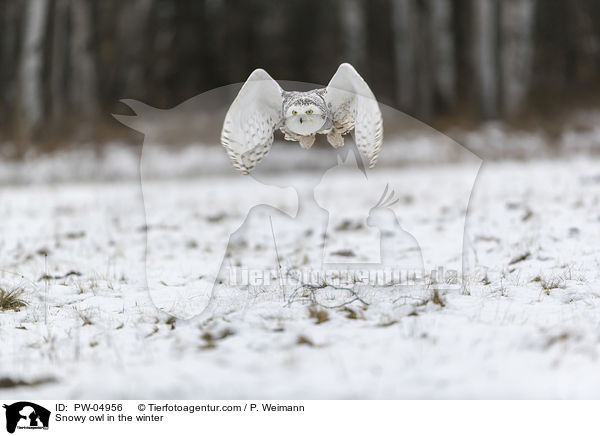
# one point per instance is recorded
(262, 106)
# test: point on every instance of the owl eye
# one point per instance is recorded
(310, 111)
(294, 112)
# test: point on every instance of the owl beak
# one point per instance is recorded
(301, 120)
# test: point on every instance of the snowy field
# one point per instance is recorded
(525, 323)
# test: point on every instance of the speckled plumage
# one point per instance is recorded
(262, 106)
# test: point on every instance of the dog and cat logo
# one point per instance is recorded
(26, 415)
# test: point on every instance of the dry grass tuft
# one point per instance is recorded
(436, 298)
(210, 339)
(303, 340)
(10, 383)
(520, 258)
(352, 314)
(171, 322)
(85, 318)
(387, 323)
(553, 283)
(319, 315)
(11, 299)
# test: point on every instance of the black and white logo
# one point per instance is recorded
(26, 415)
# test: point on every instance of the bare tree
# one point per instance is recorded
(30, 97)
(354, 32)
(403, 23)
(58, 72)
(83, 79)
(133, 39)
(517, 52)
(485, 37)
(423, 53)
(9, 32)
(443, 51)
(425, 61)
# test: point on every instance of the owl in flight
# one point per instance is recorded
(262, 106)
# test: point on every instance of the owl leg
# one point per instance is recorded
(306, 141)
(335, 138)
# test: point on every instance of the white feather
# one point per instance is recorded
(248, 128)
(353, 105)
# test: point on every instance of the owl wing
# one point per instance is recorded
(248, 128)
(353, 105)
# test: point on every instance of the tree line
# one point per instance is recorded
(64, 64)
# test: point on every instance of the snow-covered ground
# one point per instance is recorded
(526, 323)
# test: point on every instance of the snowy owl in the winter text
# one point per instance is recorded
(262, 106)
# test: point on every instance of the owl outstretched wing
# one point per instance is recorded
(248, 128)
(353, 105)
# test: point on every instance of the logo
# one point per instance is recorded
(26, 415)
(300, 223)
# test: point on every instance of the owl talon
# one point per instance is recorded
(306, 141)
(335, 139)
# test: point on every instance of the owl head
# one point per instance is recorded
(304, 113)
